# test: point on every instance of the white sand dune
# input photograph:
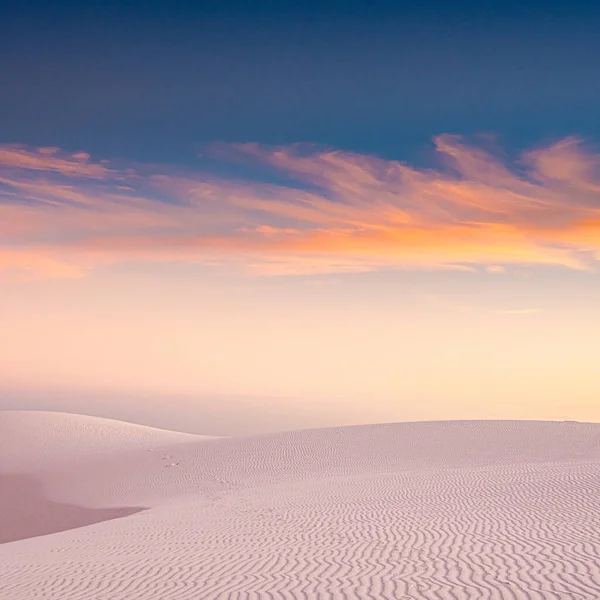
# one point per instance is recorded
(39, 440)
(446, 510)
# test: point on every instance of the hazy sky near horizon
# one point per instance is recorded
(231, 218)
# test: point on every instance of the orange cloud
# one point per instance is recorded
(22, 264)
(61, 215)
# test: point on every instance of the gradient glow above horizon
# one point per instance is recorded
(299, 217)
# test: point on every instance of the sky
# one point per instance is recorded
(235, 217)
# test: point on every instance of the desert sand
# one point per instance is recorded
(93, 509)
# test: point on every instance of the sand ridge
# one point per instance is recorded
(448, 510)
(33, 441)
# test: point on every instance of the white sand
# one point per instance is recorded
(449, 510)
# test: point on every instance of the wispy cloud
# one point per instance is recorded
(51, 160)
(517, 311)
(459, 304)
(63, 214)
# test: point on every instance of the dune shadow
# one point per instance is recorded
(25, 512)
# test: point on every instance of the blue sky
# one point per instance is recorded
(153, 81)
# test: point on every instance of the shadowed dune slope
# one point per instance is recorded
(26, 513)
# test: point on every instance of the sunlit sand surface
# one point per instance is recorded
(94, 509)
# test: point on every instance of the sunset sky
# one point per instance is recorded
(234, 216)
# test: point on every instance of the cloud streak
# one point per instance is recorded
(62, 215)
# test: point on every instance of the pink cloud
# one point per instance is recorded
(51, 160)
(61, 215)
